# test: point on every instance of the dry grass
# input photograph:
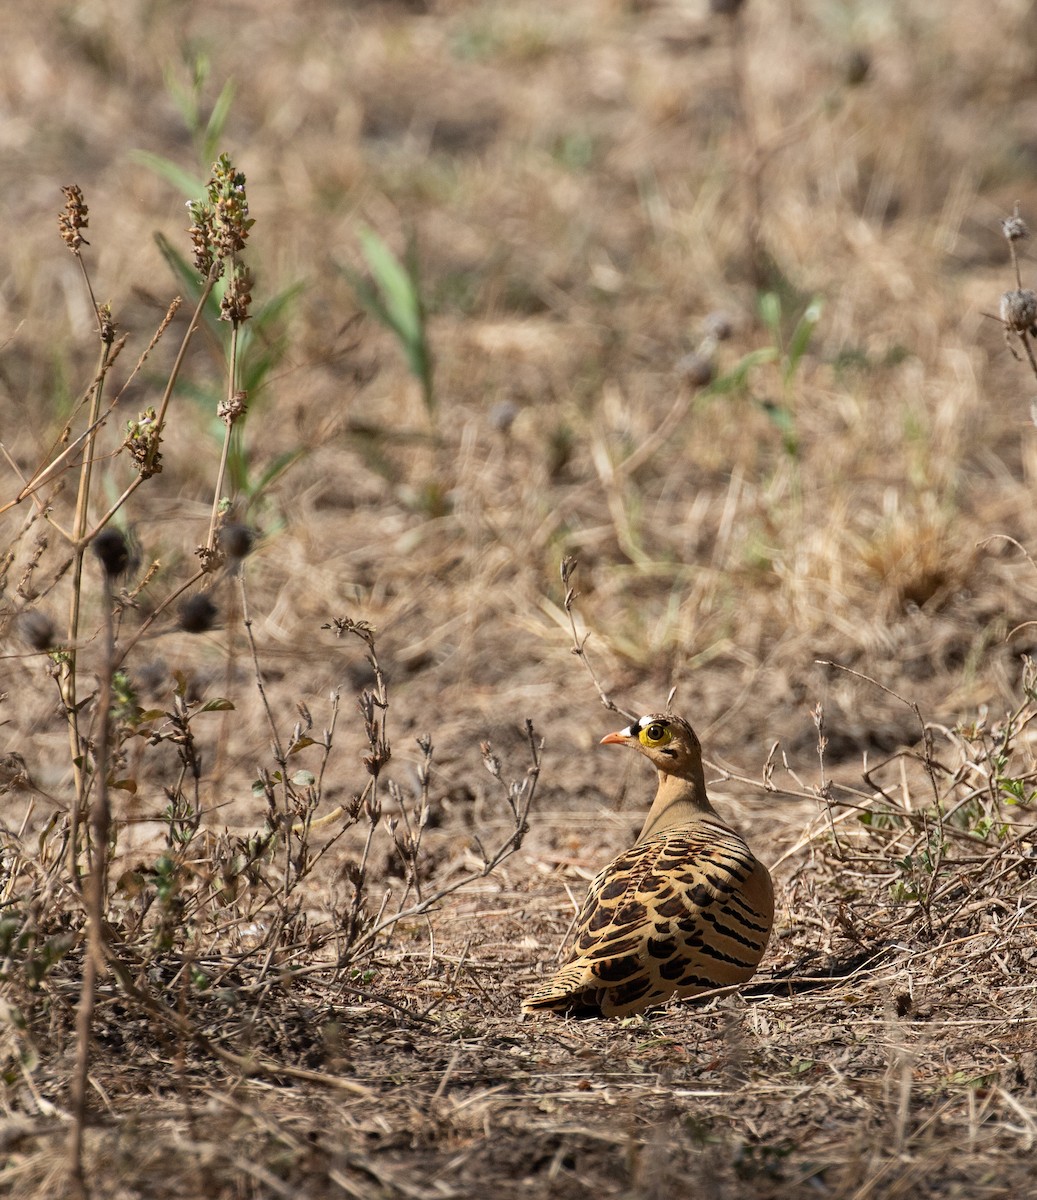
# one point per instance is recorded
(588, 189)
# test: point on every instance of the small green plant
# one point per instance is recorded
(206, 132)
(252, 351)
(789, 356)
(259, 350)
(392, 295)
(787, 353)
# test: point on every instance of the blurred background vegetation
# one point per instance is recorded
(704, 298)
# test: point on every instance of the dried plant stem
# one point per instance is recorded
(520, 799)
(228, 433)
(284, 824)
(160, 417)
(824, 789)
(192, 329)
(54, 460)
(246, 617)
(80, 542)
(95, 892)
(157, 611)
(927, 734)
(568, 572)
(44, 474)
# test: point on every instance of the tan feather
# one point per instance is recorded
(686, 909)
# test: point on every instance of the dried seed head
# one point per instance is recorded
(237, 299)
(1019, 310)
(696, 369)
(718, 325)
(233, 407)
(237, 541)
(856, 66)
(104, 315)
(502, 415)
(112, 551)
(74, 218)
(230, 206)
(1014, 228)
(203, 237)
(220, 222)
(197, 614)
(36, 629)
(143, 439)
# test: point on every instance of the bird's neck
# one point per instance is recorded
(677, 802)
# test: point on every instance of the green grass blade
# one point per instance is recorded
(218, 120)
(191, 186)
(801, 337)
(397, 287)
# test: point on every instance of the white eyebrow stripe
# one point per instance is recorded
(640, 724)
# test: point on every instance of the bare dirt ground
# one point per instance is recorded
(596, 191)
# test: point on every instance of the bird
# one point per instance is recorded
(688, 908)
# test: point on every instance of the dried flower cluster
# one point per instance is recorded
(220, 222)
(1014, 227)
(73, 219)
(1019, 310)
(233, 408)
(237, 299)
(142, 441)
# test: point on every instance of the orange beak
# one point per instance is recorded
(622, 738)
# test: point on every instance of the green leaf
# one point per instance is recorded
(394, 299)
(271, 473)
(736, 379)
(769, 305)
(801, 337)
(217, 120)
(191, 186)
(184, 271)
(396, 285)
(217, 705)
(785, 422)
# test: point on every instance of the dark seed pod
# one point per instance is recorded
(696, 369)
(112, 551)
(36, 630)
(237, 541)
(718, 325)
(856, 66)
(197, 614)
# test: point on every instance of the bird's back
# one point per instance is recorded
(684, 911)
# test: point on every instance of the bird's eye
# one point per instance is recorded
(656, 734)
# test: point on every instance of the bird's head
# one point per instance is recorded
(667, 741)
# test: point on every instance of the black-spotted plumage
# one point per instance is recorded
(686, 909)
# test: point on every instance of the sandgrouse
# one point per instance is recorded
(687, 908)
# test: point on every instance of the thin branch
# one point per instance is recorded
(568, 572)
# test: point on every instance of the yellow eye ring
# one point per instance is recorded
(655, 734)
